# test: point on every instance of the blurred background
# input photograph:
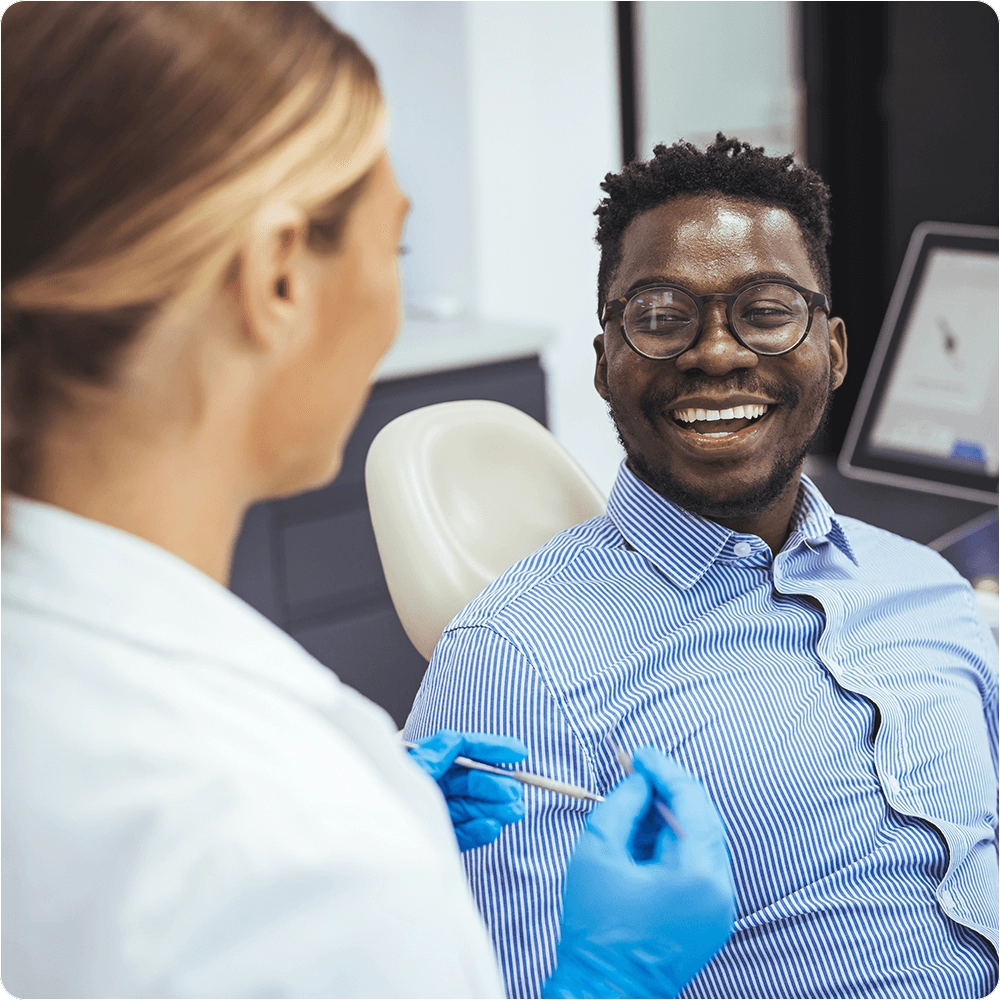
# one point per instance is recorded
(505, 117)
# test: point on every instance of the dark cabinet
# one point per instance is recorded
(310, 564)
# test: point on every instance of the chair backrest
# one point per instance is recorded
(458, 492)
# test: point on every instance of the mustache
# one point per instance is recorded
(655, 403)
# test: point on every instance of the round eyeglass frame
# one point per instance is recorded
(615, 309)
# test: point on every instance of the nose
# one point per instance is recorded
(717, 351)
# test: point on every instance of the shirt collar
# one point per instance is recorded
(813, 520)
(684, 545)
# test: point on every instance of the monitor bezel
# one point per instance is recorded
(857, 460)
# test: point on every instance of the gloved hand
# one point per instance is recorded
(643, 911)
(480, 804)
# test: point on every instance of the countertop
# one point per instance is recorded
(425, 346)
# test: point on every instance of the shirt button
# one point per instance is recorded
(742, 549)
(891, 784)
(946, 899)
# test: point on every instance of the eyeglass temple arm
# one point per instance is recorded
(612, 310)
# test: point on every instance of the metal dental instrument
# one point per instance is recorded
(668, 817)
(525, 777)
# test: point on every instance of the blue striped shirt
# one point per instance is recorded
(838, 700)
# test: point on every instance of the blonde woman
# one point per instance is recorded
(199, 278)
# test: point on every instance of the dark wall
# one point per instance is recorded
(902, 121)
(941, 128)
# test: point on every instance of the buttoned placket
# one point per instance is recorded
(827, 650)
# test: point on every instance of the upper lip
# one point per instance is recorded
(706, 403)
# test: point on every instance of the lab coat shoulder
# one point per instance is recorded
(175, 824)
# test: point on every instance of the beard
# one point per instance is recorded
(754, 499)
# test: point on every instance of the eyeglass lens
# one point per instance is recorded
(664, 322)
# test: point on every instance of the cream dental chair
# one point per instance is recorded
(458, 492)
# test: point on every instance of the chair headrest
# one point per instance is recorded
(459, 492)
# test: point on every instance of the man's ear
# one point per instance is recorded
(601, 369)
(273, 282)
(838, 350)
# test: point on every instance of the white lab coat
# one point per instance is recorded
(194, 806)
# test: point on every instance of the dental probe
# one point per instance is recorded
(669, 818)
(525, 777)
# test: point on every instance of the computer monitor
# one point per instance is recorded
(927, 415)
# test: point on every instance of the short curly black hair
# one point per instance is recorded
(727, 166)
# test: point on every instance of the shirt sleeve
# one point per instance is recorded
(479, 681)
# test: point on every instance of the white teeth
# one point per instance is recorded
(750, 411)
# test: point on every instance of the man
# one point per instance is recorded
(829, 682)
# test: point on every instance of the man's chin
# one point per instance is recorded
(745, 503)
(726, 502)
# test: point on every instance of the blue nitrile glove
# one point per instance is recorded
(480, 804)
(644, 928)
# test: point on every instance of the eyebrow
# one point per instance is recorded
(745, 279)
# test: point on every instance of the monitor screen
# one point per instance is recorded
(928, 415)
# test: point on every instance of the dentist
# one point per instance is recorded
(199, 278)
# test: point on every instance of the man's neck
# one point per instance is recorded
(772, 524)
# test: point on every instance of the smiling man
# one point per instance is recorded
(830, 683)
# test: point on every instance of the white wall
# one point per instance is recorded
(504, 120)
(544, 128)
(419, 51)
(721, 66)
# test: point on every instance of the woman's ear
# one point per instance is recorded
(273, 279)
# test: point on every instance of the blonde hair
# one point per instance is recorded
(232, 104)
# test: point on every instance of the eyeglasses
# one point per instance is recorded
(767, 317)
